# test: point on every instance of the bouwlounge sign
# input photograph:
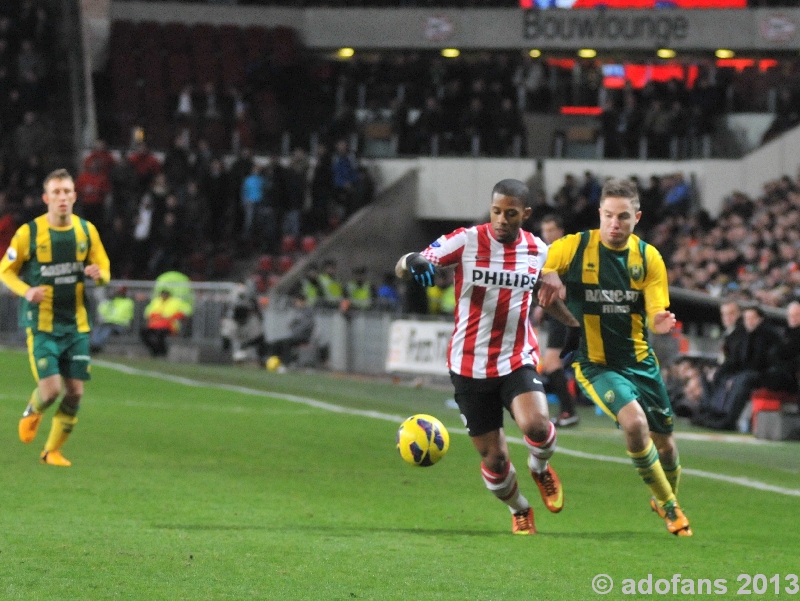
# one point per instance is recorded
(602, 26)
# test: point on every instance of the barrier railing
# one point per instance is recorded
(359, 341)
(211, 300)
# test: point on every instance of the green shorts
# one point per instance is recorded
(64, 354)
(611, 388)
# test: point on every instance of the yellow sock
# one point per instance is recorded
(60, 431)
(673, 474)
(649, 468)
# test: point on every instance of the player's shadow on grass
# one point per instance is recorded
(202, 527)
(350, 530)
(602, 536)
(344, 530)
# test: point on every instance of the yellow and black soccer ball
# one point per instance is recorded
(422, 440)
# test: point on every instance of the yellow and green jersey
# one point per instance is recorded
(613, 293)
(54, 257)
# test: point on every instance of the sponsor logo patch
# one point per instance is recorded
(502, 279)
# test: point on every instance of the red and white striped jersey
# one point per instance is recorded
(494, 283)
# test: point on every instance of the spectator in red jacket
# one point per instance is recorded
(8, 224)
(145, 163)
(102, 156)
(93, 186)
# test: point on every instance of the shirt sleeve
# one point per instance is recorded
(98, 256)
(561, 253)
(446, 250)
(656, 289)
(15, 257)
(543, 253)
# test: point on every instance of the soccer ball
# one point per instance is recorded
(422, 440)
(273, 364)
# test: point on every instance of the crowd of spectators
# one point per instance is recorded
(659, 114)
(27, 138)
(749, 252)
(412, 103)
(474, 104)
(192, 211)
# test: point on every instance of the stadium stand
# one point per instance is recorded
(269, 89)
(206, 95)
(31, 142)
(394, 103)
(749, 252)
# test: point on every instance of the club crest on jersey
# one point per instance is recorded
(635, 272)
(609, 397)
(435, 244)
(41, 363)
(82, 246)
(533, 262)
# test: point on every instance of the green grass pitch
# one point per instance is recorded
(233, 483)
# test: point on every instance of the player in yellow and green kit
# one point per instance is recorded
(47, 264)
(616, 286)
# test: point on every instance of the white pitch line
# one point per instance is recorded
(741, 481)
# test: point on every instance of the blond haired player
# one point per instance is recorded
(615, 284)
(47, 265)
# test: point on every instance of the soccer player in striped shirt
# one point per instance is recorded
(615, 284)
(47, 264)
(493, 352)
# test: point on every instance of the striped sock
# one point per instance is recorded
(540, 452)
(673, 473)
(649, 467)
(36, 404)
(504, 487)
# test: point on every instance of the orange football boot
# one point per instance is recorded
(671, 513)
(28, 426)
(522, 522)
(55, 458)
(550, 489)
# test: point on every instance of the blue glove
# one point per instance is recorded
(421, 269)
